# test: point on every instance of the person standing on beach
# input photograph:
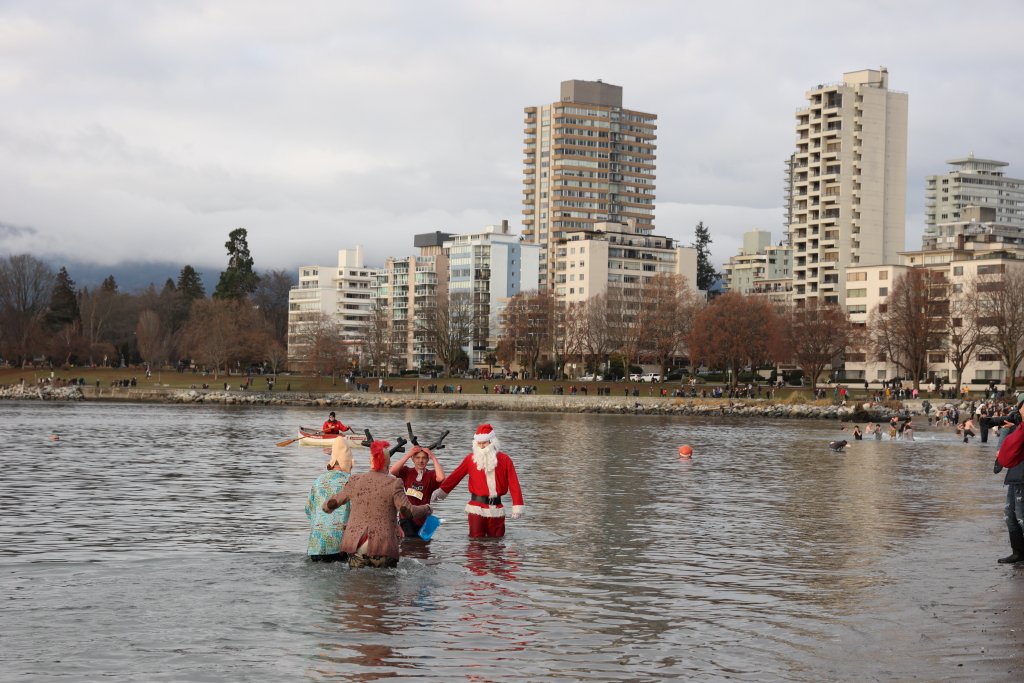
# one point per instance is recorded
(1013, 508)
(491, 476)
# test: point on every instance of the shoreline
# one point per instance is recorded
(652, 405)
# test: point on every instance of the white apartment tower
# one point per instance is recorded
(846, 183)
(588, 161)
(973, 182)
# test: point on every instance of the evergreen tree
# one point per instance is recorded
(239, 280)
(63, 302)
(190, 284)
(169, 287)
(109, 285)
(706, 273)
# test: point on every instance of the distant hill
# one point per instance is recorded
(132, 277)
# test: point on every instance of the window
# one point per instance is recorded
(857, 308)
(857, 277)
(991, 269)
(856, 293)
(883, 291)
(883, 275)
(958, 270)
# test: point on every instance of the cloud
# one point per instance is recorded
(150, 130)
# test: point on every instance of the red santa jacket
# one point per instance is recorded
(502, 481)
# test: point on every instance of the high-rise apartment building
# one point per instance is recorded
(588, 160)
(846, 183)
(973, 182)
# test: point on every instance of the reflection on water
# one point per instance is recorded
(170, 539)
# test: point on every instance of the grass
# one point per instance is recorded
(169, 379)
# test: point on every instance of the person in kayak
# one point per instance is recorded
(326, 529)
(333, 426)
(491, 476)
(419, 482)
(371, 535)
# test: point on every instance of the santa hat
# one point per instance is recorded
(484, 433)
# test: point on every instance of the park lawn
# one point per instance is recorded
(170, 379)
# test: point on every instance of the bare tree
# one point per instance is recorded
(377, 338)
(626, 323)
(275, 354)
(734, 331)
(324, 351)
(667, 313)
(221, 332)
(962, 335)
(26, 284)
(271, 298)
(446, 326)
(596, 335)
(566, 332)
(999, 301)
(816, 337)
(67, 343)
(98, 307)
(910, 324)
(153, 339)
(527, 326)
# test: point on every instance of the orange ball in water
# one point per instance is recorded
(685, 452)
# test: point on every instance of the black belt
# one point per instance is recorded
(485, 500)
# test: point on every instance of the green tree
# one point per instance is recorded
(63, 302)
(109, 285)
(238, 280)
(706, 273)
(190, 285)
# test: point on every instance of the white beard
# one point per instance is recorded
(485, 455)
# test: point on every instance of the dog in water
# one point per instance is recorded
(837, 446)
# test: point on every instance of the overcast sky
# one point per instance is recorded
(137, 130)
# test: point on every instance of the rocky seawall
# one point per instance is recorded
(34, 392)
(761, 408)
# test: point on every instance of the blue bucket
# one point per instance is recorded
(430, 525)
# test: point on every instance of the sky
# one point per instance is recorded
(135, 130)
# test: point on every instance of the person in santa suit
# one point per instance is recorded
(491, 476)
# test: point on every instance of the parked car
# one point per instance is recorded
(650, 377)
(592, 378)
(635, 377)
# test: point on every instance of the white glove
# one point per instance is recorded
(439, 495)
(517, 511)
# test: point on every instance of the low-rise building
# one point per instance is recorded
(341, 294)
(587, 261)
(761, 268)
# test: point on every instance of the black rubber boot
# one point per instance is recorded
(1017, 543)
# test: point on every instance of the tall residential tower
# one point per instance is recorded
(847, 183)
(588, 161)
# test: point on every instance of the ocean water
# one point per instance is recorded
(167, 543)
